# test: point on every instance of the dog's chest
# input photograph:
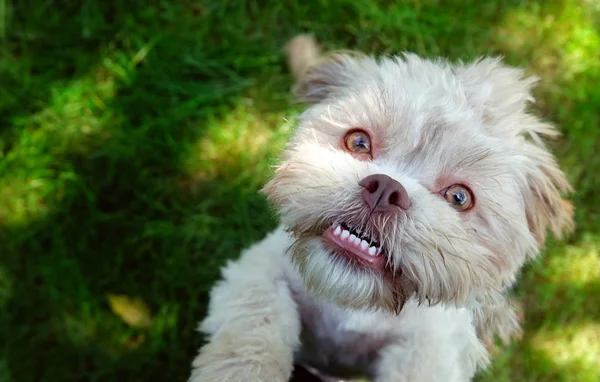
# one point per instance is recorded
(341, 342)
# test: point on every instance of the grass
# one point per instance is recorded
(134, 136)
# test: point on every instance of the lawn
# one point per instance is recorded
(134, 136)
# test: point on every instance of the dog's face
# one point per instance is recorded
(409, 177)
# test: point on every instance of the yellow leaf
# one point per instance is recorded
(134, 312)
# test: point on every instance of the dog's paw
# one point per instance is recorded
(220, 363)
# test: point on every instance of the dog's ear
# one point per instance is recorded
(545, 185)
(499, 93)
(318, 75)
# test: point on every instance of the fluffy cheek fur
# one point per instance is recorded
(430, 252)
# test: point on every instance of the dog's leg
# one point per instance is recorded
(433, 349)
(253, 322)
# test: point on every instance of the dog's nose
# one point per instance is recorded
(384, 194)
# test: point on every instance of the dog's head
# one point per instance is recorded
(412, 177)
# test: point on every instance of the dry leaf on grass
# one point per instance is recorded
(134, 312)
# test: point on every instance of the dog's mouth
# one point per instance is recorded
(354, 245)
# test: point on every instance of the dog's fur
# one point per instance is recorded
(433, 124)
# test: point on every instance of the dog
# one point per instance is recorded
(410, 196)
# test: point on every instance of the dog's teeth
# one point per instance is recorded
(364, 245)
(356, 241)
(372, 251)
(378, 251)
(345, 234)
(337, 231)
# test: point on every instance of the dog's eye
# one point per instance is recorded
(358, 142)
(459, 196)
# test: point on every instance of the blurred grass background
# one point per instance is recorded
(134, 136)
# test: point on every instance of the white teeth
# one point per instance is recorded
(357, 241)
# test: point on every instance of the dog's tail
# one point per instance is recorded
(302, 52)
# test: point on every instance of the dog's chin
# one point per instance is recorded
(349, 275)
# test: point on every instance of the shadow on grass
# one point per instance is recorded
(46, 45)
(123, 224)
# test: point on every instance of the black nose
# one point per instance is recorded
(384, 194)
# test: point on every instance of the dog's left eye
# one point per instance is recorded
(460, 197)
(358, 142)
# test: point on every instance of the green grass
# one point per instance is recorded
(134, 136)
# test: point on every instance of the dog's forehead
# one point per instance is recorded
(419, 116)
(410, 112)
(424, 121)
(447, 152)
(402, 99)
(413, 105)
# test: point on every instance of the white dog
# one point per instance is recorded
(410, 196)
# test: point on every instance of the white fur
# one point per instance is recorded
(264, 283)
(432, 124)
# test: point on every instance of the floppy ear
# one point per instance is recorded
(545, 206)
(318, 76)
(501, 94)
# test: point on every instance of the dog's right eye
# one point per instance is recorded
(358, 142)
(460, 197)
